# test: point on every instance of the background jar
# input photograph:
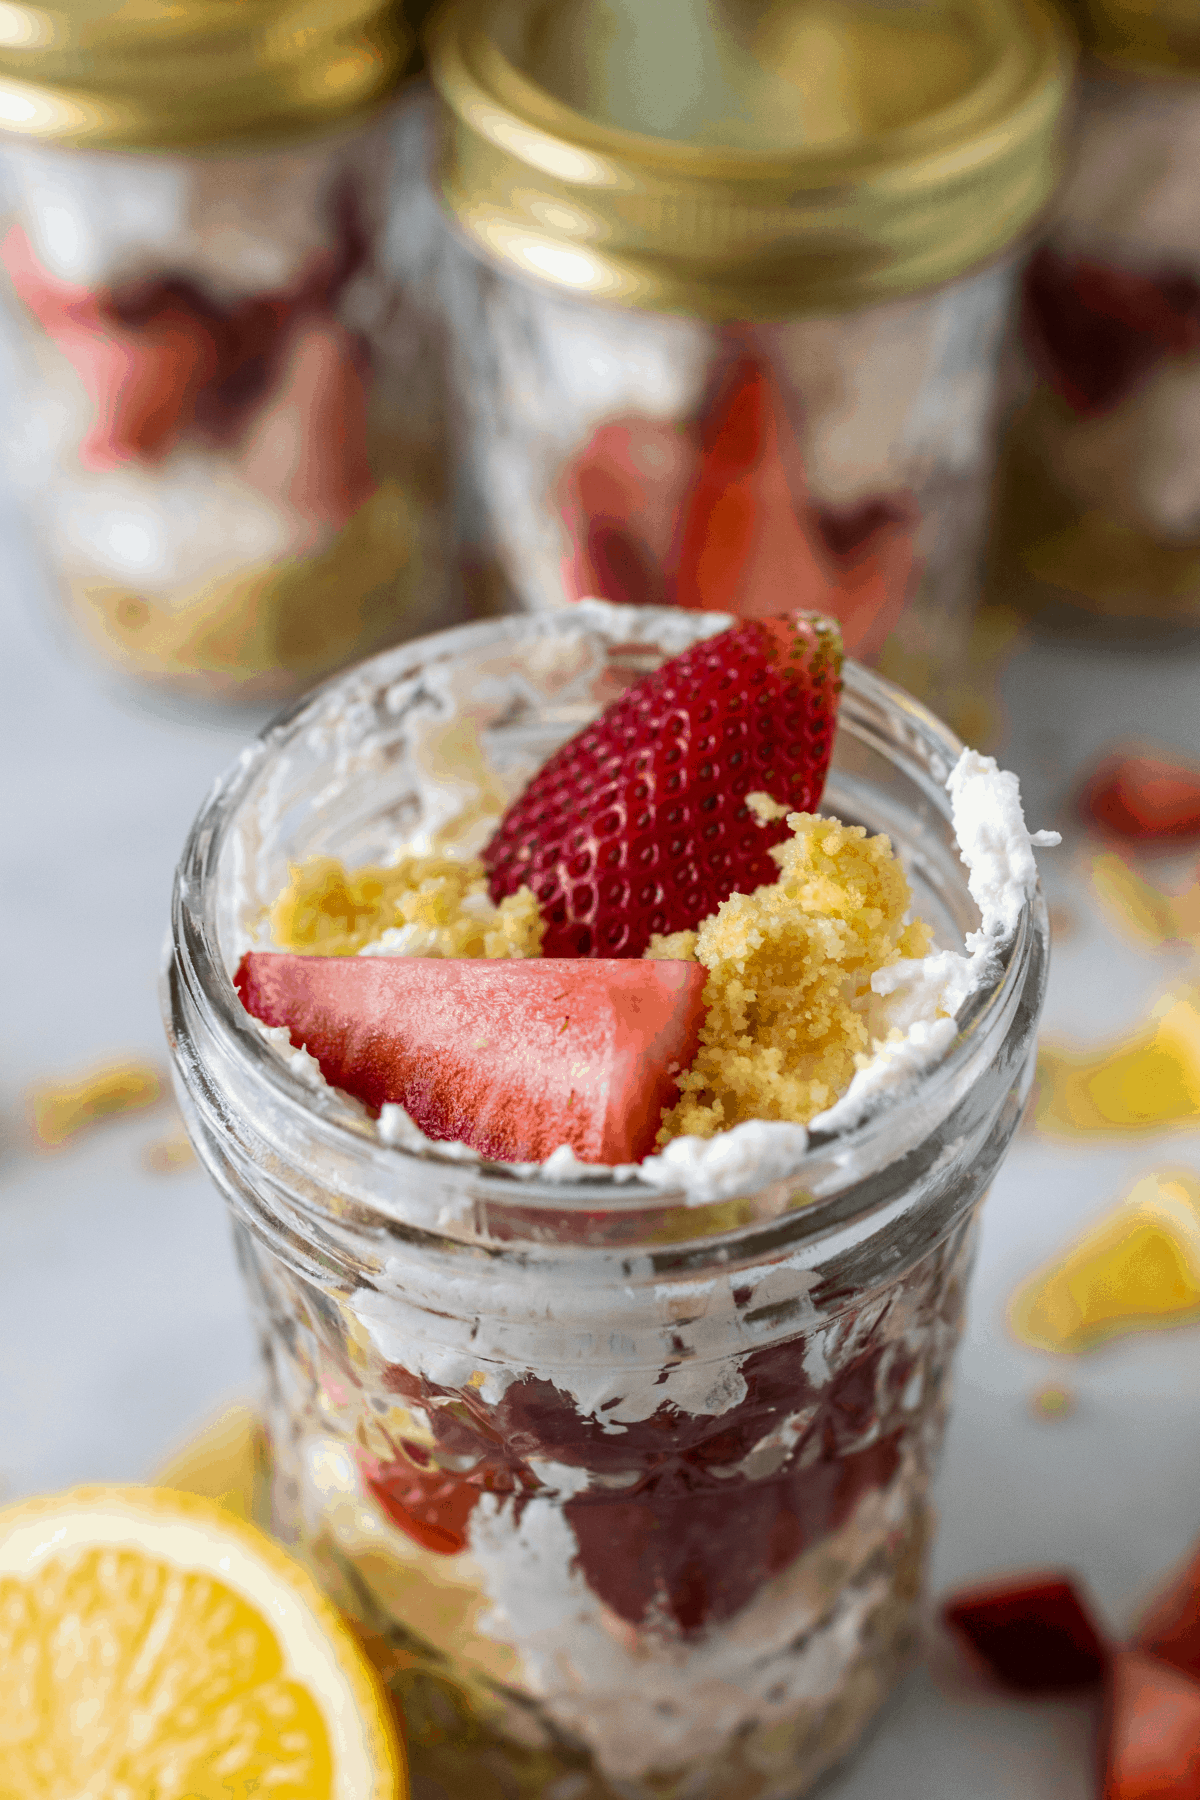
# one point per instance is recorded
(1100, 502)
(224, 422)
(727, 295)
(624, 1491)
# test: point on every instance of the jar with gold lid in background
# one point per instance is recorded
(727, 288)
(225, 419)
(1100, 498)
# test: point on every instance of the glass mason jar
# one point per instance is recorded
(1100, 498)
(727, 297)
(225, 422)
(629, 1496)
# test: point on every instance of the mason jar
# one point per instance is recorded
(627, 1487)
(223, 417)
(727, 297)
(1100, 498)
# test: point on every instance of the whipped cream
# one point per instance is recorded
(639, 1699)
(297, 1062)
(914, 1025)
(643, 1702)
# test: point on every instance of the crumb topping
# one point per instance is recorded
(790, 969)
(420, 906)
(788, 996)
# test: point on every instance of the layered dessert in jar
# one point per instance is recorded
(229, 421)
(604, 1094)
(1100, 496)
(728, 297)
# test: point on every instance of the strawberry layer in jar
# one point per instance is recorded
(1100, 498)
(624, 1473)
(728, 296)
(226, 427)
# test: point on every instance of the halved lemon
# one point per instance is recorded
(153, 1645)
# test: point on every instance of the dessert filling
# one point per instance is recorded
(680, 827)
(788, 1000)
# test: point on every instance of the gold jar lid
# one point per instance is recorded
(748, 158)
(1148, 34)
(178, 74)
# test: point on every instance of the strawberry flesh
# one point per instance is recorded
(639, 825)
(512, 1057)
(1034, 1634)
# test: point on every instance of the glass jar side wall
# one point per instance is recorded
(657, 459)
(701, 1603)
(601, 1432)
(1098, 505)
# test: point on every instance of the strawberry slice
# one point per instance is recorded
(513, 1058)
(1152, 1731)
(430, 1506)
(639, 823)
(1095, 331)
(1035, 1634)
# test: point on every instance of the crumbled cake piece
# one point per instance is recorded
(420, 906)
(789, 991)
(790, 969)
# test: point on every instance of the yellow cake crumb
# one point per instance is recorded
(435, 906)
(790, 965)
(790, 969)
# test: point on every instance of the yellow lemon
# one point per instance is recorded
(153, 1647)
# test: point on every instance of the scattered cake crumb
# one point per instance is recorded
(420, 906)
(789, 989)
(58, 1111)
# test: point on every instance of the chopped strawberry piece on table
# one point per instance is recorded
(512, 1057)
(1034, 1633)
(1152, 1731)
(639, 824)
(1144, 797)
(1170, 1627)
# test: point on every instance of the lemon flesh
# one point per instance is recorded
(152, 1645)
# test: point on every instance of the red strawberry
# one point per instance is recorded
(639, 824)
(1095, 331)
(1149, 798)
(1152, 1731)
(1170, 1628)
(1034, 1633)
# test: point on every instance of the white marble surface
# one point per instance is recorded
(121, 1319)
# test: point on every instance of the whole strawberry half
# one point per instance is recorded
(639, 824)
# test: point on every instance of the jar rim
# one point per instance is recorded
(615, 215)
(197, 961)
(197, 74)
